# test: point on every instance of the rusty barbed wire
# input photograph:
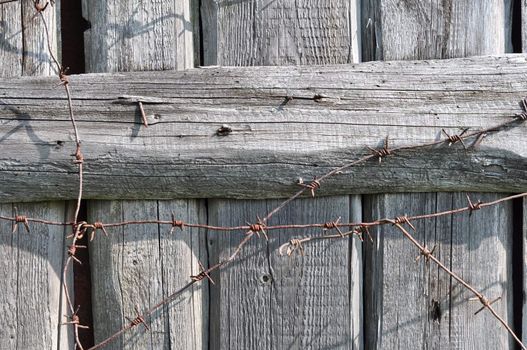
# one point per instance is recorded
(482, 299)
(260, 226)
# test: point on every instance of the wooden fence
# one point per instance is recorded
(225, 144)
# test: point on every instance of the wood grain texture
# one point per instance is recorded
(423, 30)
(271, 144)
(266, 300)
(31, 304)
(138, 35)
(524, 235)
(282, 32)
(132, 36)
(416, 306)
(291, 307)
(406, 30)
(140, 265)
(23, 43)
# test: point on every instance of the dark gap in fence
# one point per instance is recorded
(516, 32)
(73, 27)
(201, 44)
(517, 267)
(82, 285)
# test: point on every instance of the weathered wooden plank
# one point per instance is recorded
(406, 30)
(283, 32)
(31, 270)
(32, 303)
(138, 35)
(140, 265)
(523, 11)
(131, 36)
(272, 143)
(422, 30)
(300, 310)
(271, 301)
(23, 42)
(416, 306)
(524, 233)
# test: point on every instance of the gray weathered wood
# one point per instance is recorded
(246, 33)
(406, 30)
(142, 264)
(138, 35)
(266, 300)
(417, 306)
(272, 144)
(149, 263)
(31, 302)
(401, 311)
(23, 44)
(524, 233)
(293, 308)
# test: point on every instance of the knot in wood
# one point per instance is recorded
(224, 130)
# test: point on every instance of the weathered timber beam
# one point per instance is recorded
(335, 111)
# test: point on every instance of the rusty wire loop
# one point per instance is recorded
(382, 152)
(451, 139)
(21, 219)
(312, 186)
(139, 319)
(486, 304)
(203, 273)
(260, 227)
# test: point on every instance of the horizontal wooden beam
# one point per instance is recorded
(253, 132)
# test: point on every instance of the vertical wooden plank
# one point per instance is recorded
(182, 251)
(523, 11)
(143, 264)
(524, 225)
(259, 32)
(138, 35)
(23, 44)
(270, 301)
(417, 29)
(31, 271)
(31, 299)
(293, 302)
(397, 309)
(415, 306)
